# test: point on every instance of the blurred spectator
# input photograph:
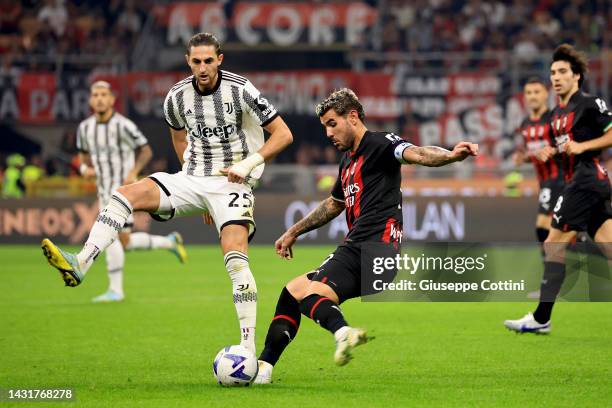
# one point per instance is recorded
(33, 171)
(12, 184)
(55, 13)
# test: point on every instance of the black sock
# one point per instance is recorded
(283, 329)
(554, 274)
(542, 234)
(323, 311)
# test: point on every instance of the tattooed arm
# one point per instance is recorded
(327, 210)
(433, 156)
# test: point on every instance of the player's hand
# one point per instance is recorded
(573, 147)
(462, 150)
(545, 154)
(130, 178)
(208, 219)
(233, 176)
(89, 173)
(284, 245)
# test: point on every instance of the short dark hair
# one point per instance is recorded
(204, 39)
(578, 60)
(342, 101)
(536, 80)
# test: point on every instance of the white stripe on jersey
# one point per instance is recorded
(111, 146)
(223, 126)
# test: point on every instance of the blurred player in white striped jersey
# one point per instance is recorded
(216, 120)
(114, 151)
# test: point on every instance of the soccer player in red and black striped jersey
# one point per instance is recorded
(536, 135)
(368, 188)
(582, 126)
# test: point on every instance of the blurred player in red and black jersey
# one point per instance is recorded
(535, 136)
(368, 188)
(582, 126)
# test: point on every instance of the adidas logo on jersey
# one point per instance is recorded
(222, 132)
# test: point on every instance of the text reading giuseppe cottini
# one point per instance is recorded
(458, 265)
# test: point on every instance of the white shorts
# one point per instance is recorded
(129, 223)
(228, 203)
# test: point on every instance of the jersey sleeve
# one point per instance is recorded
(600, 115)
(81, 142)
(257, 106)
(171, 113)
(394, 147)
(135, 137)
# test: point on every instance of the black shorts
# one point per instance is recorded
(583, 207)
(549, 193)
(348, 270)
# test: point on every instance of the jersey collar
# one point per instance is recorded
(212, 91)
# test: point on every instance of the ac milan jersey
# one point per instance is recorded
(536, 135)
(584, 118)
(369, 185)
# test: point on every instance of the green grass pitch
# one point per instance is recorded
(156, 348)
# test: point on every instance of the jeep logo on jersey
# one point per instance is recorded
(222, 132)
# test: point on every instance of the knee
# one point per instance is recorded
(124, 239)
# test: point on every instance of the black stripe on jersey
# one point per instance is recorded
(119, 146)
(174, 123)
(109, 155)
(198, 102)
(234, 81)
(100, 172)
(133, 135)
(220, 116)
(230, 75)
(238, 111)
(181, 83)
(253, 105)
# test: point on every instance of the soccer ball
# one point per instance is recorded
(235, 366)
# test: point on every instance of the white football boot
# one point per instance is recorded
(528, 324)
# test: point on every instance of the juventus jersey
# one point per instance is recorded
(584, 118)
(536, 134)
(369, 185)
(111, 146)
(224, 125)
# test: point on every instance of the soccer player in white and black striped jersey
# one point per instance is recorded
(216, 120)
(114, 151)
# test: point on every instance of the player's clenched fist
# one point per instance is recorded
(464, 149)
(284, 245)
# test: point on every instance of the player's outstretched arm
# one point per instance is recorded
(327, 210)
(179, 141)
(280, 138)
(434, 156)
(144, 156)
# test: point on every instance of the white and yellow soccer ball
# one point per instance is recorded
(235, 366)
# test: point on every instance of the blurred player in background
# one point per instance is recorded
(114, 151)
(216, 120)
(582, 126)
(368, 188)
(536, 136)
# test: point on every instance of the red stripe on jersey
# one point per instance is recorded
(357, 179)
(289, 319)
(387, 234)
(553, 167)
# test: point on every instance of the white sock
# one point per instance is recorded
(115, 258)
(245, 296)
(105, 230)
(341, 332)
(142, 240)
